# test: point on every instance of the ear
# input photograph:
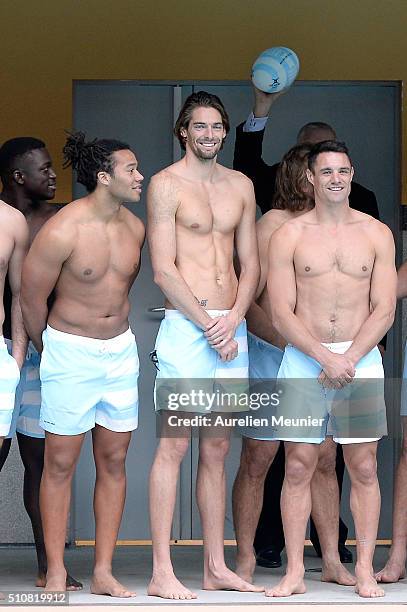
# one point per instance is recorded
(18, 177)
(310, 177)
(183, 133)
(103, 177)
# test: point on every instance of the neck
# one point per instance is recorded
(332, 213)
(201, 169)
(20, 200)
(104, 206)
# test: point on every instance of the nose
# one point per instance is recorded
(52, 173)
(140, 177)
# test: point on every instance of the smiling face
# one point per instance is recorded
(124, 182)
(205, 133)
(331, 177)
(36, 174)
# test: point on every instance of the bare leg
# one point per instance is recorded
(61, 455)
(211, 493)
(248, 488)
(109, 450)
(325, 513)
(360, 459)
(32, 456)
(395, 568)
(163, 487)
(301, 461)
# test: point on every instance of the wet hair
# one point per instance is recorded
(90, 158)
(197, 100)
(307, 129)
(326, 146)
(12, 151)
(292, 187)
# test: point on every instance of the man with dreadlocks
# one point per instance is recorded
(29, 181)
(90, 253)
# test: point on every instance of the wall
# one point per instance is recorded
(46, 44)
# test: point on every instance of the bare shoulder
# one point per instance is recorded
(376, 229)
(12, 221)
(134, 223)
(61, 227)
(234, 177)
(271, 221)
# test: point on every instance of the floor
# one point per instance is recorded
(132, 566)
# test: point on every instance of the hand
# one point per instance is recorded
(228, 351)
(337, 371)
(221, 330)
(263, 101)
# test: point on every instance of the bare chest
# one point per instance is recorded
(348, 253)
(204, 211)
(98, 254)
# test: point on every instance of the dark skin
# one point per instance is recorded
(28, 188)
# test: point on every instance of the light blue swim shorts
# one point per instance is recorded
(185, 359)
(9, 377)
(264, 363)
(88, 381)
(26, 414)
(354, 414)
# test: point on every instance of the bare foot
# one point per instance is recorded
(393, 571)
(168, 586)
(291, 584)
(56, 582)
(227, 580)
(366, 586)
(336, 572)
(71, 583)
(103, 583)
(245, 566)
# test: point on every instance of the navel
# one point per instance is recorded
(195, 226)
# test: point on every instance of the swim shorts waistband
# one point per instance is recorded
(338, 347)
(176, 314)
(58, 335)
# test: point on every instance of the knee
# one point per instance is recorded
(364, 471)
(172, 450)
(213, 450)
(256, 458)
(326, 465)
(59, 467)
(112, 462)
(298, 471)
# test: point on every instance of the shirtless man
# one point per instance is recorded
(90, 253)
(332, 290)
(198, 211)
(395, 568)
(13, 248)
(28, 182)
(294, 197)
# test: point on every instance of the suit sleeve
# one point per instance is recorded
(248, 159)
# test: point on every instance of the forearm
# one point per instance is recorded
(248, 281)
(295, 333)
(181, 297)
(35, 315)
(19, 336)
(371, 332)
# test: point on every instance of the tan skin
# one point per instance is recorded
(90, 253)
(332, 278)
(395, 568)
(13, 248)
(198, 211)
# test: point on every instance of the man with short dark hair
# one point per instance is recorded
(29, 181)
(332, 295)
(90, 253)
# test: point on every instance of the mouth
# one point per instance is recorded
(137, 188)
(52, 187)
(335, 188)
(208, 145)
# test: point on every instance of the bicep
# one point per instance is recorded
(245, 235)
(161, 227)
(383, 286)
(281, 283)
(17, 258)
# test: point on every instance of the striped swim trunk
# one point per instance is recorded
(9, 377)
(88, 381)
(27, 404)
(309, 412)
(264, 363)
(186, 360)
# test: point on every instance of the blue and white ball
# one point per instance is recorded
(275, 69)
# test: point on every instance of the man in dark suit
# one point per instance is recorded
(269, 540)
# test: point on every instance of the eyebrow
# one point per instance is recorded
(341, 168)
